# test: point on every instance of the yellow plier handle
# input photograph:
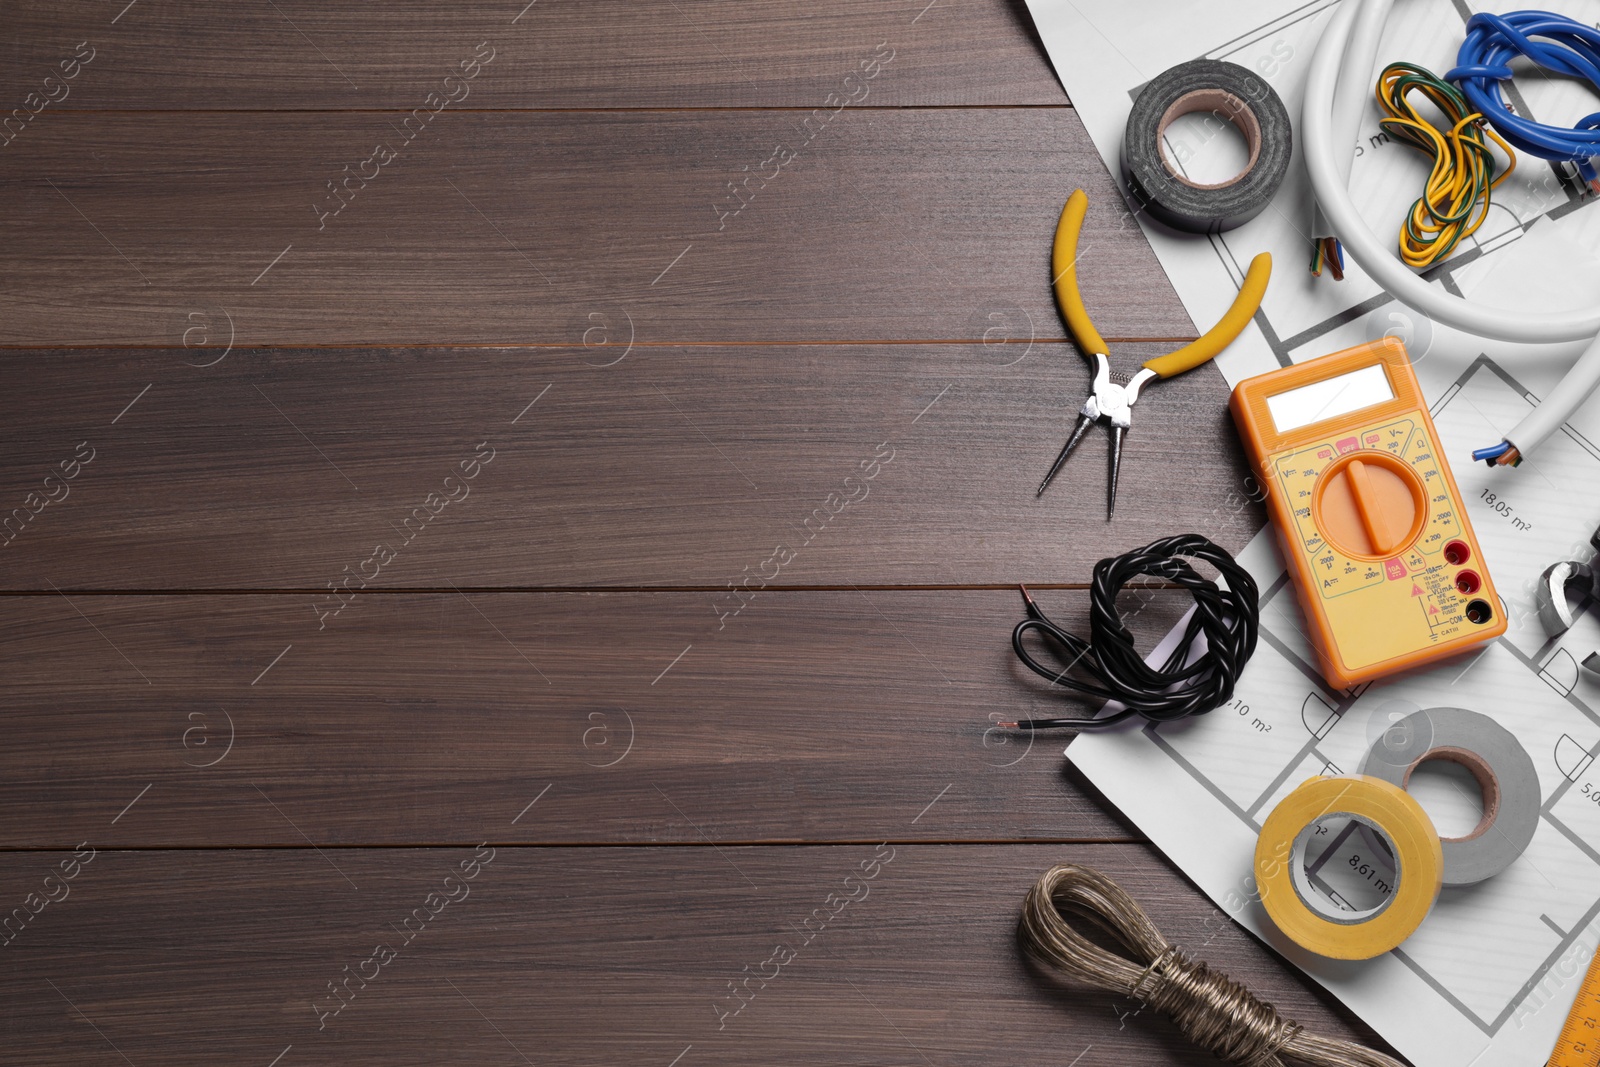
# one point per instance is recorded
(1064, 269)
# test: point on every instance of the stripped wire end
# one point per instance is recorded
(1491, 454)
(1334, 257)
(1589, 174)
(1327, 252)
(1027, 598)
(1007, 725)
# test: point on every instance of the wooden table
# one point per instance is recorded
(508, 508)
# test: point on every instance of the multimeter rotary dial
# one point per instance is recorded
(1370, 504)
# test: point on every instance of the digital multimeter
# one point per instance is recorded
(1373, 527)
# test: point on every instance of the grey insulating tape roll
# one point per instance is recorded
(1231, 94)
(1504, 772)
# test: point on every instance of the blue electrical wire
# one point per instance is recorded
(1492, 453)
(1568, 47)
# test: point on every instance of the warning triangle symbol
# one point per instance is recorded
(1432, 610)
(1416, 590)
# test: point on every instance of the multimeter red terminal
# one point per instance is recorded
(1374, 529)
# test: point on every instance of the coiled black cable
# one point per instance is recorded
(1228, 617)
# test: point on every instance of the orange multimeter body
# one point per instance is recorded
(1373, 527)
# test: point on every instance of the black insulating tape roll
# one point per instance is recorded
(1232, 94)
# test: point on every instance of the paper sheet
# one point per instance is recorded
(1490, 977)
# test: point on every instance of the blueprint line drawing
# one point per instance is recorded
(1551, 663)
(1490, 975)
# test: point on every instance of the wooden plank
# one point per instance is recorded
(417, 718)
(523, 228)
(305, 55)
(279, 469)
(584, 956)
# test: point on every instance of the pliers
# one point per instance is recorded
(1569, 576)
(1110, 400)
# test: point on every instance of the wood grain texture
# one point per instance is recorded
(422, 718)
(584, 956)
(278, 469)
(305, 55)
(520, 228)
(655, 290)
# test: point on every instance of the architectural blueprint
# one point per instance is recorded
(1491, 974)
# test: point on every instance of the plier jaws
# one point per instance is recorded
(1109, 401)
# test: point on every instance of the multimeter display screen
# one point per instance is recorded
(1330, 397)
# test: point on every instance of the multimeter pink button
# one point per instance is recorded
(1394, 569)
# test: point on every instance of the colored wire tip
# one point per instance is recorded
(1588, 173)
(1492, 453)
(1026, 596)
(1007, 725)
(1327, 252)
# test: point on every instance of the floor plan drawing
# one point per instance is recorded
(1489, 977)
(1328, 732)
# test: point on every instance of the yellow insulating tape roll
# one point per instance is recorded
(1280, 858)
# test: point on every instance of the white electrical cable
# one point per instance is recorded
(1359, 51)
(1348, 108)
(1350, 44)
